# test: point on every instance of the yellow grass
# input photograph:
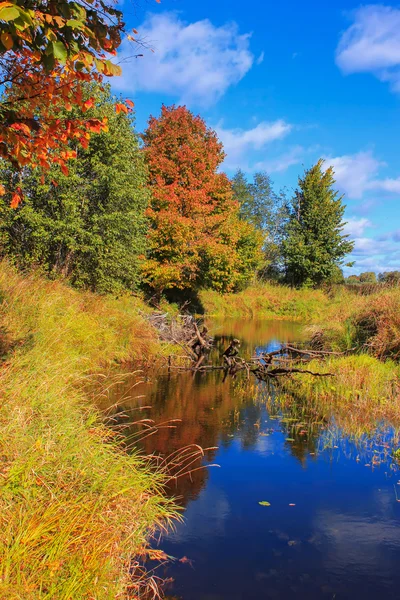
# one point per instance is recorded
(74, 508)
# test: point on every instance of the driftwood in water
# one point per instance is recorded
(266, 366)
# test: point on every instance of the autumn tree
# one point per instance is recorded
(89, 226)
(196, 237)
(314, 245)
(48, 50)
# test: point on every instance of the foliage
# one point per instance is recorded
(196, 237)
(88, 226)
(314, 245)
(366, 277)
(262, 207)
(48, 50)
(75, 510)
(390, 277)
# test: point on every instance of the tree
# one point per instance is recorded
(390, 277)
(314, 245)
(196, 237)
(48, 50)
(265, 209)
(368, 277)
(88, 226)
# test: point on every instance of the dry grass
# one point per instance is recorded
(265, 300)
(74, 508)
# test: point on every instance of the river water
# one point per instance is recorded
(329, 524)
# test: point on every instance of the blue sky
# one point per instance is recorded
(284, 83)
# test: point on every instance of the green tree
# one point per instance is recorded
(314, 245)
(89, 226)
(368, 277)
(265, 210)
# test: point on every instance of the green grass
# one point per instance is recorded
(265, 300)
(75, 509)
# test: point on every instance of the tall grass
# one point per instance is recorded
(75, 510)
(363, 392)
(265, 300)
(369, 323)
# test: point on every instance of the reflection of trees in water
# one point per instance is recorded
(211, 413)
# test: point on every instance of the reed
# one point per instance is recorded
(76, 511)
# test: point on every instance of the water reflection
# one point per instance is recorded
(331, 530)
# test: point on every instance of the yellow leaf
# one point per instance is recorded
(7, 41)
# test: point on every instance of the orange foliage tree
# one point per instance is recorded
(196, 236)
(48, 50)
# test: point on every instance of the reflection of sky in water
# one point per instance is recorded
(340, 540)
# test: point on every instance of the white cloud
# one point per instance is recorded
(386, 185)
(355, 227)
(372, 44)
(358, 173)
(197, 62)
(239, 142)
(282, 162)
(260, 59)
(353, 172)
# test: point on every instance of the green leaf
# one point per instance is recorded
(9, 13)
(59, 51)
(264, 503)
(75, 24)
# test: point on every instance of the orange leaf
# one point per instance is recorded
(64, 169)
(15, 200)
(121, 108)
(2, 190)
(130, 103)
(89, 103)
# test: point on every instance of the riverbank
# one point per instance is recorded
(365, 387)
(74, 508)
(265, 301)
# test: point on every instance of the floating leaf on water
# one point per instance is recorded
(264, 503)
(292, 504)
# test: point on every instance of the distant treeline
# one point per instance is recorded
(155, 212)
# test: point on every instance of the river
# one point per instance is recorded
(329, 521)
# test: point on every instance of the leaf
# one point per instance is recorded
(130, 103)
(264, 503)
(2, 190)
(7, 41)
(15, 200)
(9, 13)
(89, 103)
(75, 24)
(60, 52)
(119, 107)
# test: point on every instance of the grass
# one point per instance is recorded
(265, 300)
(363, 392)
(370, 323)
(75, 509)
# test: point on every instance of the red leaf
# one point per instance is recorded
(89, 103)
(130, 103)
